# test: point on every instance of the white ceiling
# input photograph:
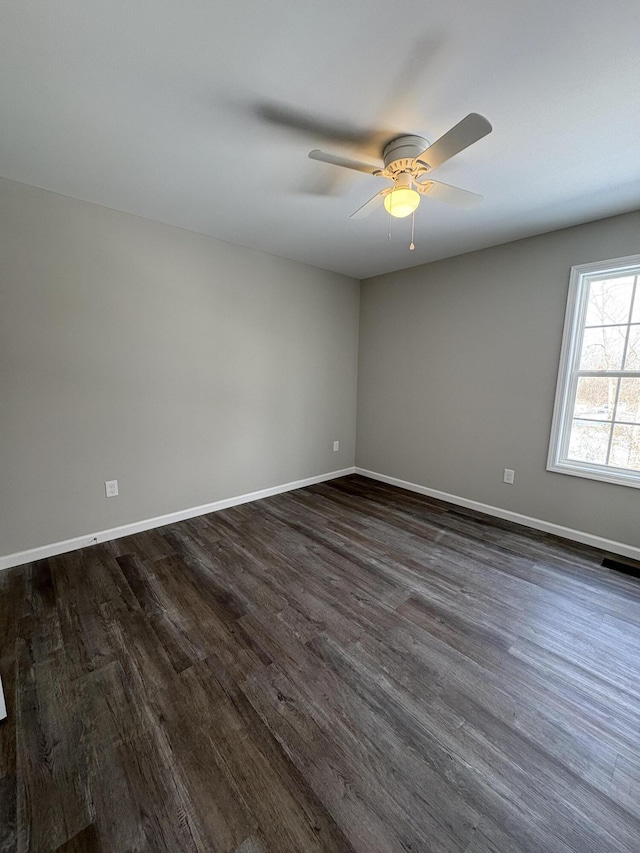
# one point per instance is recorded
(155, 108)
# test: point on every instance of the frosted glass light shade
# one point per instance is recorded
(401, 202)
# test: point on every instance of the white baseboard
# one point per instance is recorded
(528, 521)
(77, 542)
(44, 551)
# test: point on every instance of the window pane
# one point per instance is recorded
(602, 349)
(625, 447)
(635, 316)
(595, 398)
(609, 301)
(632, 361)
(589, 442)
(629, 401)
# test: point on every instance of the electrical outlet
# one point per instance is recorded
(509, 475)
(336, 445)
(111, 488)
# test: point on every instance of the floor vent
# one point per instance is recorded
(627, 568)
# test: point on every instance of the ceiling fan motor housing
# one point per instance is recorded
(400, 152)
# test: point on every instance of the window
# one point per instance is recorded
(596, 420)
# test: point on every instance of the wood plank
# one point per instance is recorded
(52, 795)
(8, 813)
(86, 841)
(348, 667)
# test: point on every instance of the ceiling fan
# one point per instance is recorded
(407, 161)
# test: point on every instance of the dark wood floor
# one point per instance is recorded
(348, 667)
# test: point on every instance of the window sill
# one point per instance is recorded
(617, 476)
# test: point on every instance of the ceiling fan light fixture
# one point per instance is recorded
(401, 202)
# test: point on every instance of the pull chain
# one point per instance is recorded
(389, 237)
(413, 224)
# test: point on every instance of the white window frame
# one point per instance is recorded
(569, 370)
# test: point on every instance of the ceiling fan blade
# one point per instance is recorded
(306, 123)
(371, 205)
(450, 195)
(465, 133)
(335, 160)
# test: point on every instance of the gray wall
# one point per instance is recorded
(193, 370)
(189, 369)
(457, 376)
